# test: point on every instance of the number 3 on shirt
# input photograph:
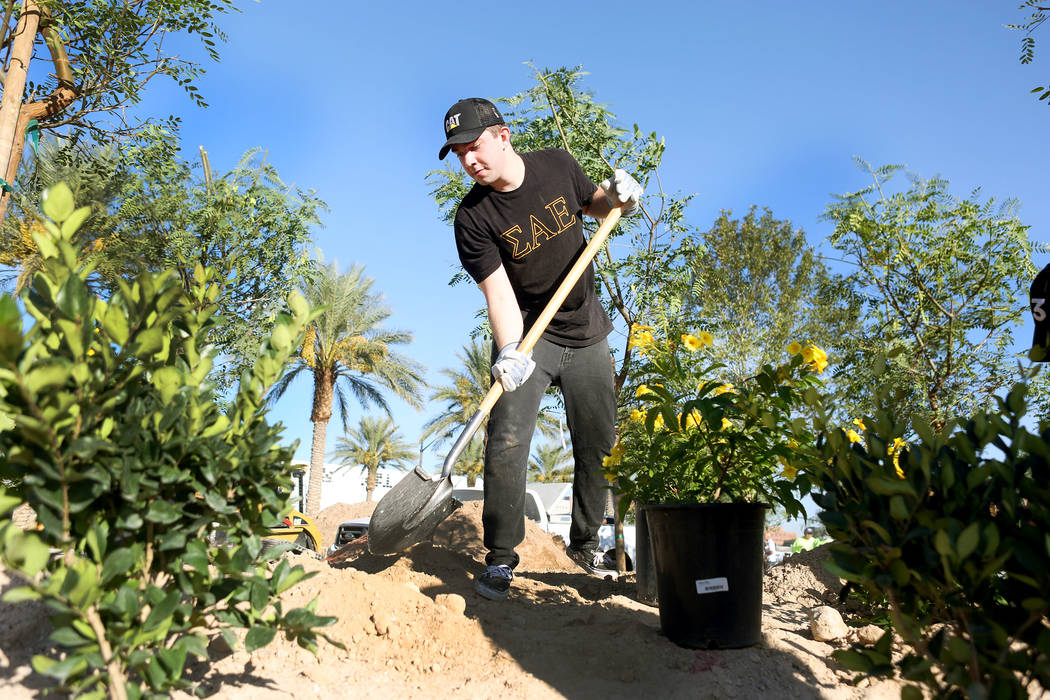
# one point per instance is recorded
(1038, 312)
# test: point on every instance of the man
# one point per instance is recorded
(518, 231)
(804, 543)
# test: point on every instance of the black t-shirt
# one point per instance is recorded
(1039, 296)
(536, 233)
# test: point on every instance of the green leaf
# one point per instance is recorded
(115, 323)
(44, 377)
(942, 544)
(167, 380)
(968, 540)
(58, 202)
(20, 595)
(162, 610)
(162, 513)
(73, 223)
(853, 661)
(898, 508)
(258, 637)
(119, 561)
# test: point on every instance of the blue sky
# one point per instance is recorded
(762, 103)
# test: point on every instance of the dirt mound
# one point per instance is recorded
(412, 627)
(802, 579)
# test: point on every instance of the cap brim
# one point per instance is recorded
(466, 136)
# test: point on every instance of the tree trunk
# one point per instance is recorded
(370, 481)
(14, 86)
(324, 383)
(54, 103)
(313, 489)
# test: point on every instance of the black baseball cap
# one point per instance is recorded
(466, 120)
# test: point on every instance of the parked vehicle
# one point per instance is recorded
(348, 531)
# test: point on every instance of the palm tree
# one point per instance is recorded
(375, 443)
(347, 352)
(548, 463)
(462, 396)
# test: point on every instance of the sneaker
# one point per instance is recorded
(494, 584)
(592, 562)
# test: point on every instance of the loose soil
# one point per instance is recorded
(414, 628)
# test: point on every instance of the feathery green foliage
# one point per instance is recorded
(943, 282)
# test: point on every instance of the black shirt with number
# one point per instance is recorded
(1038, 296)
(536, 233)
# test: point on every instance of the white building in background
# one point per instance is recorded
(344, 484)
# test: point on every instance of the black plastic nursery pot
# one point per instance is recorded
(708, 561)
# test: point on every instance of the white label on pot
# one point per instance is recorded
(712, 585)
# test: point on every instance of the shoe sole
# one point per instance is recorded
(490, 594)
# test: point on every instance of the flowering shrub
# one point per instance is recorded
(687, 437)
(950, 530)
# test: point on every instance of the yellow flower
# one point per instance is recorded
(641, 340)
(705, 338)
(615, 456)
(853, 436)
(816, 357)
(642, 391)
(694, 419)
(659, 422)
(794, 348)
(637, 415)
(724, 389)
(691, 342)
(726, 424)
(789, 471)
(859, 423)
(895, 450)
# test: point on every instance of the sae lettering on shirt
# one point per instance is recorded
(555, 219)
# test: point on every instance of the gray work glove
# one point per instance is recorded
(622, 189)
(512, 368)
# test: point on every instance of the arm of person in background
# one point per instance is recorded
(512, 367)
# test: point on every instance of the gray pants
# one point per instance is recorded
(585, 376)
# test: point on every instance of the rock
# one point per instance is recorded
(382, 621)
(826, 624)
(453, 602)
(868, 635)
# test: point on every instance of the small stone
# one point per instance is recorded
(382, 621)
(869, 635)
(826, 624)
(453, 602)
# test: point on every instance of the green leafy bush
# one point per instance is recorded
(120, 447)
(950, 529)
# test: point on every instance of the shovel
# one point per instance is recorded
(416, 505)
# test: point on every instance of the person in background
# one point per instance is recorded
(1037, 296)
(804, 543)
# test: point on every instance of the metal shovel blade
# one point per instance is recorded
(409, 512)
